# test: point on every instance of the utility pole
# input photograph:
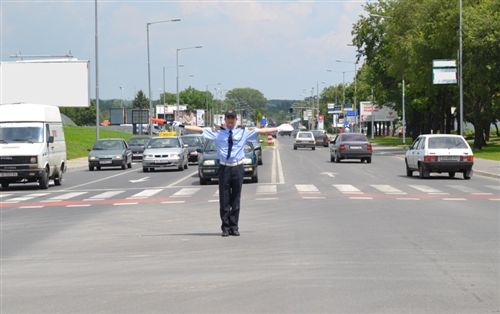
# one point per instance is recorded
(460, 69)
(372, 116)
(96, 76)
(404, 116)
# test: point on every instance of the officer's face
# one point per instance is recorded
(230, 122)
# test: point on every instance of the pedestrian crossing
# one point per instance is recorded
(259, 192)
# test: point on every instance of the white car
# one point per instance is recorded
(439, 153)
(304, 140)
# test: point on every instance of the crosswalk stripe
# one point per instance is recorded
(347, 189)
(267, 189)
(67, 196)
(387, 189)
(146, 193)
(306, 188)
(26, 198)
(108, 194)
(426, 189)
(466, 189)
(216, 193)
(186, 192)
(4, 195)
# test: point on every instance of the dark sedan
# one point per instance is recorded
(351, 146)
(137, 144)
(110, 153)
(195, 145)
(321, 138)
(208, 165)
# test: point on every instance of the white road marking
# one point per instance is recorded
(182, 179)
(124, 204)
(139, 180)
(313, 197)
(267, 199)
(330, 174)
(494, 199)
(102, 179)
(267, 189)
(31, 207)
(387, 189)
(466, 189)
(454, 199)
(3, 195)
(66, 196)
(105, 195)
(306, 188)
(273, 166)
(360, 198)
(407, 198)
(50, 201)
(145, 193)
(216, 193)
(426, 189)
(347, 189)
(78, 205)
(25, 198)
(186, 192)
(173, 202)
(213, 201)
(281, 176)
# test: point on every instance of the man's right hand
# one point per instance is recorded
(177, 124)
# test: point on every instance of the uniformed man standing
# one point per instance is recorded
(230, 142)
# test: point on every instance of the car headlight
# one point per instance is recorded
(149, 156)
(174, 156)
(247, 161)
(33, 160)
(92, 158)
(118, 157)
(209, 163)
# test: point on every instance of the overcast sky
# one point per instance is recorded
(278, 47)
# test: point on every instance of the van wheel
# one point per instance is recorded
(467, 174)
(91, 168)
(314, 148)
(203, 181)
(43, 181)
(145, 169)
(5, 185)
(368, 160)
(294, 147)
(98, 167)
(255, 179)
(423, 173)
(451, 174)
(59, 178)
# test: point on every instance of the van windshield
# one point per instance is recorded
(21, 132)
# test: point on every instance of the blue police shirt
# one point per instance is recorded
(240, 138)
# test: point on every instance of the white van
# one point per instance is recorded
(32, 146)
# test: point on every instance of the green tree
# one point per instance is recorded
(141, 101)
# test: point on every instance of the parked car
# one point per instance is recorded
(439, 153)
(137, 144)
(304, 139)
(321, 138)
(195, 145)
(351, 146)
(208, 165)
(258, 150)
(113, 152)
(165, 152)
(32, 146)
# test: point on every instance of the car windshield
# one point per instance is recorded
(447, 142)
(138, 141)
(164, 143)
(191, 140)
(21, 132)
(354, 138)
(108, 145)
(305, 135)
(318, 133)
(210, 147)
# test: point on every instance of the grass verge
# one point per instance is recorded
(80, 139)
(491, 151)
(390, 141)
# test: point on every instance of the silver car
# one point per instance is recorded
(351, 146)
(165, 152)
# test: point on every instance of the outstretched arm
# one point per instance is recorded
(193, 128)
(267, 130)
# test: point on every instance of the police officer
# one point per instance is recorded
(230, 142)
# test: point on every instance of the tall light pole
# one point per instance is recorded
(403, 105)
(149, 70)
(121, 96)
(461, 86)
(177, 70)
(96, 77)
(207, 114)
(355, 83)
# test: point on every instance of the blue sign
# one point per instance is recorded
(346, 124)
(352, 113)
(263, 122)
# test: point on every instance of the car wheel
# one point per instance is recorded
(332, 159)
(5, 185)
(59, 178)
(314, 148)
(98, 167)
(203, 181)
(362, 160)
(294, 147)
(129, 165)
(260, 162)
(409, 172)
(91, 168)
(451, 174)
(181, 167)
(186, 165)
(43, 181)
(423, 173)
(145, 169)
(467, 174)
(255, 178)
(124, 165)
(369, 160)
(337, 158)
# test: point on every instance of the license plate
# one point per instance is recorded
(161, 161)
(355, 147)
(8, 174)
(449, 158)
(105, 162)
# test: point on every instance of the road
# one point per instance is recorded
(315, 237)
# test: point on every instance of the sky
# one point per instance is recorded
(281, 48)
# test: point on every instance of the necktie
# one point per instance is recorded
(230, 144)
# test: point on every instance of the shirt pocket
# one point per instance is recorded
(238, 137)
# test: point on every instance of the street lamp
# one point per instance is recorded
(177, 70)
(121, 95)
(149, 70)
(164, 90)
(355, 85)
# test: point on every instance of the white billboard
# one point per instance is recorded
(200, 117)
(63, 83)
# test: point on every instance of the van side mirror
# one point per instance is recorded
(51, 139)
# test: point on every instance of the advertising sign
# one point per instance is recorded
(321, 122)
(334, 108)
(348, 107)
(116, 116)
(140, 116)
(200, 117)
(444, 72)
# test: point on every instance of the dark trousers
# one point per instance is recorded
(230, 182)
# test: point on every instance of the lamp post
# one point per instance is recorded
(177, 70)
(149, 69)
(121, 96)
(96, 75)
(403, 105)
(355, 84)
(461, 86)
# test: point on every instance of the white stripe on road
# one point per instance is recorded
(213, 201)
(31, 207)
(267, 189)
(173, 202)
(186, 192)
(78, 205)
(454, 199)
(407, 198)
(124, 204)
(426, 189)
(3, 195)
(267, 199)
(26, 198)
(306, 188)
(145, 193)
(216, 193)
(281, 177)
(182, 179)
(99, 180)
(466, 189)
(347, 189)
(273, 166)
(105, 195)
(313, 197)
(387, 189)
(66, 196)
(360, 198)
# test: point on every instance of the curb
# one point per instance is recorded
(486, 174)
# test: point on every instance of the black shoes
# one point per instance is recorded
(235, 233)
(225, 233)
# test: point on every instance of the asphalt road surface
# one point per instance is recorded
(316, 237)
